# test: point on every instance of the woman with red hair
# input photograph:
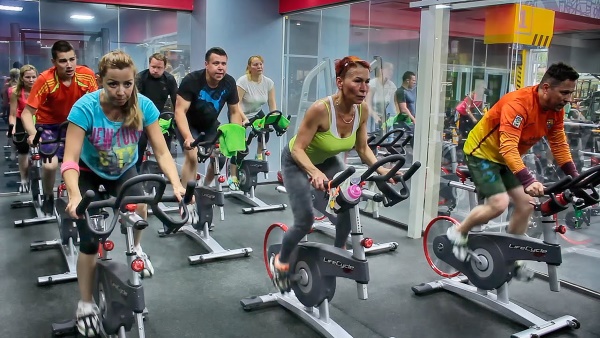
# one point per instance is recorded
(332, 125)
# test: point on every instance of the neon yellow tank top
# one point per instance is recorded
(328, 143)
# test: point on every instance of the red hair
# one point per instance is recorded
(342, 66)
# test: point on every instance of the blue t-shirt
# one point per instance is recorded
(108, 148)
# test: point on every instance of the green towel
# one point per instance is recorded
(282, 124)
(232, 140)
(165, 125)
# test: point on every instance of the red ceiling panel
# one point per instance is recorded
(182, 5)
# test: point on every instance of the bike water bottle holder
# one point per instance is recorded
(554, 205)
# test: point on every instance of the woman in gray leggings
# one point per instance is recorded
(331, 126)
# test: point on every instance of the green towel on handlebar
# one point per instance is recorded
(282, 124)
(232, 140)
(165, 125)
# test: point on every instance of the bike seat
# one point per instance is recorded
(462, 171)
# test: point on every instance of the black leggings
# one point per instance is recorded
(20, 142)
(143, 144)
(88, 180)
(300, 195)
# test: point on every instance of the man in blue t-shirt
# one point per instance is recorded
(201, 97)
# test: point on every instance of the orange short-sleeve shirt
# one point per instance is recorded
(53, 100)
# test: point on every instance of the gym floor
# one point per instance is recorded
(204, 300)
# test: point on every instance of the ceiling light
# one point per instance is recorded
(442, 6)
(177, 50)
(82, 17)
(10, 8)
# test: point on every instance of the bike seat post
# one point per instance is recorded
(216, 153)
(358, 249)
(128, 219)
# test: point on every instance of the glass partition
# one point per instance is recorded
(93, 30)
(145, 32)
(573, 41)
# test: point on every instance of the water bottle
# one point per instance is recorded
(348, 195)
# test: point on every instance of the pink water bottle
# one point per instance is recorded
(349, 195)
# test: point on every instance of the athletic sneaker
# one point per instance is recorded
(281, 275)
(148, 269)
(48, 205)
(233, 183)
(193, 217)
(88, 321)
(459, 243)
(522, 273)
(24, 187)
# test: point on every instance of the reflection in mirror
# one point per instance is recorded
(15, 51)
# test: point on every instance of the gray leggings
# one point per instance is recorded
(300, 194)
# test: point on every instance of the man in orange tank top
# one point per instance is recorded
(494, 148)
(51, 99)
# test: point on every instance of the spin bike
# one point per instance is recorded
(315, 266)
(150, 166)
(493, 255)
(206, 199)
(118, 290)
(381, 148)
(35, 178)
(388, 144)
(249, 169)
(13, 163)
(67, 242)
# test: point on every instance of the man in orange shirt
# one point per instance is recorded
(494, 147)
(52, 96)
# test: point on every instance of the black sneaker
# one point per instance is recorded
(281, 277)
(48, 205)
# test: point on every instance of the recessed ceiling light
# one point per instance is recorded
(82, 17)
(11, 8)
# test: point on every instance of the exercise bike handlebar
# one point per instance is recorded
(381, 142)
(558, 186)
(590, 177)
(37, 136)
(367, 175)
(205, 148)
(119, 202)
(344, 175)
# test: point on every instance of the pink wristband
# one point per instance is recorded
(69, 165)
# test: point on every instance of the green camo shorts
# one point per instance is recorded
(490, 178)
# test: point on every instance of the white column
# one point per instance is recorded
(431, 92)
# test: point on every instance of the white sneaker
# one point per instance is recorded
(148, 268)
(522, 273)
(193, 217)
(459, 243)
(88, 321)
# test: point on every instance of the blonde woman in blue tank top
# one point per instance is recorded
(331, 126)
